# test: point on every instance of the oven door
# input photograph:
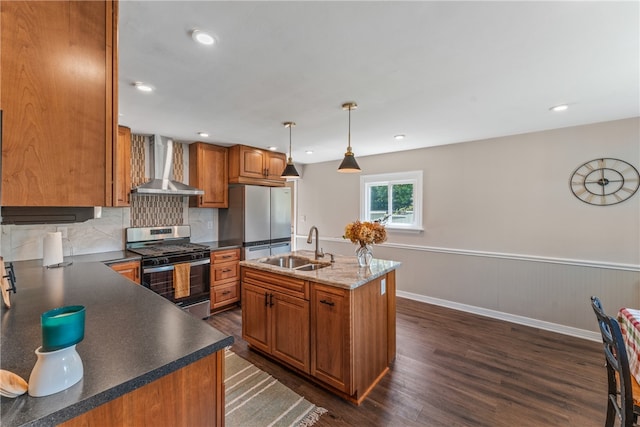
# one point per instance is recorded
(160, 280)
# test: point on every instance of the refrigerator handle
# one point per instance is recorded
(277, 245)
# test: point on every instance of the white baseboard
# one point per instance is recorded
(521, 320)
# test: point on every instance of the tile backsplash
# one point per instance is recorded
(149, 210)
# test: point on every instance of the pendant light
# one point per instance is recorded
(290, 170)
(349, 164)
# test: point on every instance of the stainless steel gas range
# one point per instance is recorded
(163, 249)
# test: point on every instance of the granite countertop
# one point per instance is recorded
(343, 273)
(132, 337)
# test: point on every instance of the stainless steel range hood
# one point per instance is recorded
(160, 168)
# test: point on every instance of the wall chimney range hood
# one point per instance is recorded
(160, 168)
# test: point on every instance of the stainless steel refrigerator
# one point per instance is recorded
(259, 217)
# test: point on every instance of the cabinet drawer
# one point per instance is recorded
(276, 282)
(225, 294)
(225, 271)
(225, 256)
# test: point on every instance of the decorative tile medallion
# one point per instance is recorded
(149, 210)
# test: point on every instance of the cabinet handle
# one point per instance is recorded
(226, 270)
(226, 292)
(266, 299)
(330, 303)
(271, 303)
(227, 256)
(201, 200)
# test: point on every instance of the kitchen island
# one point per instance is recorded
(331, 322)
(146, 362)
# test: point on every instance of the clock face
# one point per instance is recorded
(605, 181)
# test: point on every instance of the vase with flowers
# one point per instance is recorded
(365, 234)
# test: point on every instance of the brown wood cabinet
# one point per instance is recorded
(190, 396)
(353, 335)
(122, 168)
(129, 269)
(225, 279)
(275, 316)
(330, 356)
(59, 102)
(250, 165)
(208, 165)
(349, 334)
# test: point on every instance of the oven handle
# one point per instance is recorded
(170, 267)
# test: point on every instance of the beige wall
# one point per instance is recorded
(502, 230)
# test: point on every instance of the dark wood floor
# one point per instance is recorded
(458, 369)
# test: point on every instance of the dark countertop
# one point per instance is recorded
(124, 255)
(222, 244)
(344, 272)
(132, 337)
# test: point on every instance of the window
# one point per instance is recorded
(397, 196)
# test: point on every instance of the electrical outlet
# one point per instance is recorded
(383, 286)
(63, 231)
(210, 225)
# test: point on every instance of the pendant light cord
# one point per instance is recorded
(349, 134)
(290, 141)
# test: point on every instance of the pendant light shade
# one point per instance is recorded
(349, 164)
(290, 170)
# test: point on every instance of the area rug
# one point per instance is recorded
(254, 398)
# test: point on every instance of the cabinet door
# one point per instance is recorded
(252, 162)
(208, 170)
(122, 168)
(129, 269)
(58, 84)
(276, 165)
(290, 330)
(330, 354)
(256, 319)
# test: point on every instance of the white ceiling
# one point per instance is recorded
(439, 72)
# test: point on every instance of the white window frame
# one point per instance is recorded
(411, 177)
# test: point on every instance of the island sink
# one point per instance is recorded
(294, 263)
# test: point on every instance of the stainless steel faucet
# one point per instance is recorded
(318, 253)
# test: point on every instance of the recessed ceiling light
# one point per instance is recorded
(203, 134)
(399, 137)
(561, 107)
(272, 148)
(143, 87)
(202, 37)
(309, 152)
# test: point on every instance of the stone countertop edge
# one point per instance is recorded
(344, 273)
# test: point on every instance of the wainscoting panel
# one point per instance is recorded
(551, 294)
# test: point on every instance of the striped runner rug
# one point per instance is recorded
(254, 398)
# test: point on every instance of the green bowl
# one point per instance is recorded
(62, 327)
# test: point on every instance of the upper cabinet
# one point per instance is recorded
(208, 165)
(249, 165)
(122, 168)
(59, 102)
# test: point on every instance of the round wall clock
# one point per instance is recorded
(604, 182)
